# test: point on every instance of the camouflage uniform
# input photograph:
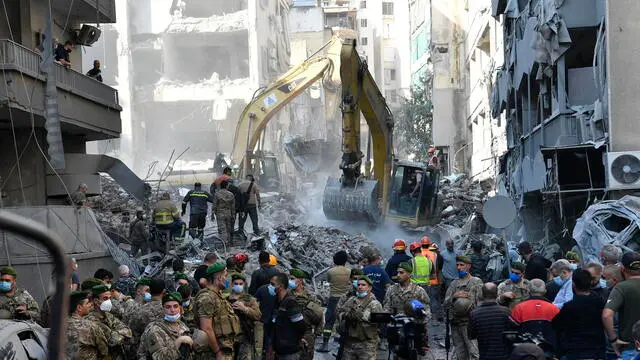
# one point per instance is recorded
(78, 198)
(20, 297)
(463, 346)
(115, 331)
(247, 345)
(127, 285)
(311, 330)
(343, 299)
(226, 325)
(360, 336)
(158, 341)
(224, 207)
(85, 340)
(188, 316)
(397, 298)
(139, 237)
(120, 307)
(522, 290)
(145, 314)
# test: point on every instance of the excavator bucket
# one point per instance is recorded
(351, 203)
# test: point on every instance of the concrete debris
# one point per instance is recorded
(223, 84)
(279, 208)
(236, 21)
(462, 200)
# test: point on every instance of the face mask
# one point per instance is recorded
(292, 284)
(226, 283)
(514, 277)
(106, 305)
(147, 297)
(355, 284)
(382, 262)
(574, 266)
(172, 318)
(462, 274)
(362, 294)
(5, 286)
(603, 283)
(237, 289)
(108, 286)
(559, 281)
(186, 303)
(272, 290)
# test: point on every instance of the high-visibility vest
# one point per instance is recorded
(421, 270)
(434, 258)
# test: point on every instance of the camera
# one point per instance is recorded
(405, 334)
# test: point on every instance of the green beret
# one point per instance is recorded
(300, 274)
(89, 283)
(572, 256)
(406, 266)
(99, 289)
(172, 296)
(518, 266)
(143, 281)
(366, 279)
(463, 258)
(180, 276)
(236, 276)
(357, 272)
(216, 268)
(8, 271)
(76, 298)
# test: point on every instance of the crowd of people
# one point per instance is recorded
(575, 311)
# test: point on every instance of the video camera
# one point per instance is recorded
(405, 334)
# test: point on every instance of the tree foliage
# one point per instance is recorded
(414, 121)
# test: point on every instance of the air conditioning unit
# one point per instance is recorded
(88, 35)
(623, 170)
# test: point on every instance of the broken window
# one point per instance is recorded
(578, 168)
(614, 224)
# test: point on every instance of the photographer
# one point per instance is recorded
(360, 335)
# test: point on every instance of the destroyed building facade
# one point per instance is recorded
(567, 91)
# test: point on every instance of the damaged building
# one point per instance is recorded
(191, 81)
(567, 91)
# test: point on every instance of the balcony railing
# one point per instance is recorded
(14, 56)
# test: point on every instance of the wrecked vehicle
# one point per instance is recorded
(608, 222)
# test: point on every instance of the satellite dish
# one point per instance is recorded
(499, 211)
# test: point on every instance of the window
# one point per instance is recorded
(363, 4)
(363, 22)
(392, 74)
(364, 41)
(387, 8)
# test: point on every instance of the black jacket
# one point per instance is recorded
(261, 277)
(197, 199)
(289, 327)
(537, 267)
(487, 322)
(394, 261)
(579, 327)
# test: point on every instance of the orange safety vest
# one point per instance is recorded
(433, 257)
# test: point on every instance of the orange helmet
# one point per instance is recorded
(399, 244)
(414, 246)
(273, 260)
(241, 258)
(425, 241)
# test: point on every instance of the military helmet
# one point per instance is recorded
(462, 307)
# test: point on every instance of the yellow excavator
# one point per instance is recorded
(355, 195)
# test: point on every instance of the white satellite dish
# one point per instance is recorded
(499, 211)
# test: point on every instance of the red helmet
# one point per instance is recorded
(399, 244)
(431, 149)
(415, 246)
(240, 257)
(426, 241)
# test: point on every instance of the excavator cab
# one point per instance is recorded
(264, 166)
(413, 193)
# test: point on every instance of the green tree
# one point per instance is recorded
(414, 120)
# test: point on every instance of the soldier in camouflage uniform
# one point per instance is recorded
(515, 289)
(163, 338)
(355, 275)
(120, 303)
(85, 339)
(359, 335)
(116, 332)
(224, 208)
(187, 306)
(462, 296)
(249, 344)
(215, 316)
(148, 312)
(311, 310)
(16, 303)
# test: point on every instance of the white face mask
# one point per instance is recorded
(106, 305)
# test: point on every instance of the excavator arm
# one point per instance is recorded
(266, 104)
(352, 197)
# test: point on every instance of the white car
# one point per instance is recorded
(22, 340)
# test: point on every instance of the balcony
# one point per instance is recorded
(86, 107)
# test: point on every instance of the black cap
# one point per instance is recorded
(631, 260)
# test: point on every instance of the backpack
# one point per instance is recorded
(312, 313)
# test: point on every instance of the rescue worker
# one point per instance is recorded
(116, 332)
(339, 279)
(250, 194)
(226, 176)
(163, 338)
(399, 256)
(421, 265)
(85, 339)
(139, 235)
(166, 218)
(403, 292)
(224, 209)
(187, 306)
(360, 339)
(79, 197)
(355, 275)
(516, 288)
(16, 303)
(311, 309)
(197, 200)
(462, 296)
(245, 306)
(215, 316)
(262, 275)
(150, 311)
(289, 326)
(237, 262)
(435, 291)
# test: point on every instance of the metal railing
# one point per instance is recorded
(14, 56)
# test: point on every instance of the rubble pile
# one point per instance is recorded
(114, 209)
(462, 200)
(279, 208)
